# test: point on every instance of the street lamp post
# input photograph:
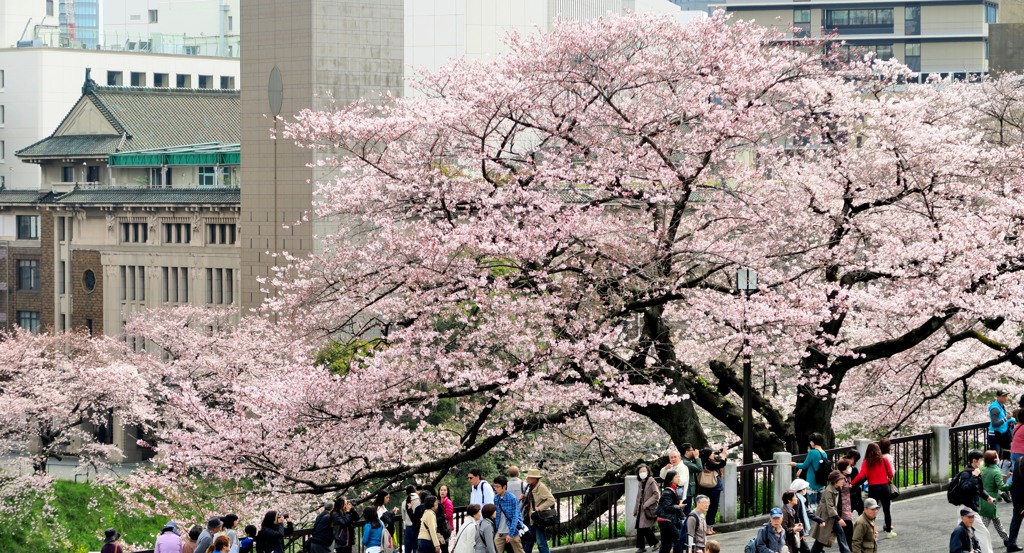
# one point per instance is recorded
(746, 284)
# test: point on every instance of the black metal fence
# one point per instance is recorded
(963, 439)
(912, 459)
(756, 489)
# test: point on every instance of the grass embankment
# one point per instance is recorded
(74, 522)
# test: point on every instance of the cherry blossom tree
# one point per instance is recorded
(55, 387)
(549, 240)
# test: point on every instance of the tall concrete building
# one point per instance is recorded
(948, 37)
(299, 53)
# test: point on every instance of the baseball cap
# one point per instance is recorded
(775, 513)
(968, 513)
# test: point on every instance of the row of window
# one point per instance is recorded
(911, 52)
(224, 234)
(871, 20)
(213, 175)
(163, 80)
(220, 285)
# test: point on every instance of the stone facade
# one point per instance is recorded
(87, 304)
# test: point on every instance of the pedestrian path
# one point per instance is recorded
(923, 525)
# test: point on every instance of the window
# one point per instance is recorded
(991, 13)
(154, 16)
(860, 21)
(220, 286)
(912, 56)
(1, 79)
(134, 233)
(29, 320)
(227, 83)
(801, 23)
(3, 151)
(177, 233)
(175, 284)
(138, 79)
(221, 233)
(912, 20)
(156, 177)
(3, 116)
(67, 174)
(215, 176)
(28, 227)
(49, 8)
(133, 283)
(191, 50)
(115, 78)
(92, 173)
(231, 23)
(161, 80)
(184, 81)
(89, 280)
(858, 51)
(28, 275)
(206, 81)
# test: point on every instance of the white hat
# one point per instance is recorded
(799, 484)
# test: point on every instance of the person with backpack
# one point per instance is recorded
(670, 511)
(966, 490)
(540, 503)
(465, 540)
(410, 519)
(343, 525)
(697, 525)
(878, 472)
(815, 468)
(480, 491)
(830, 530)
(771, 538)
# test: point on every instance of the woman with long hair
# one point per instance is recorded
(879, 473)
(343, 520)
(373, 530)
(447, 512)
(380, 503)
(273, 529)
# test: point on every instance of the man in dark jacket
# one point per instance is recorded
(771, 536)
(963, 540)
(321, 538)
(972, 492)
(1017, 493)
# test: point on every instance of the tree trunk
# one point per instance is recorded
(679, 421)
(814, 414)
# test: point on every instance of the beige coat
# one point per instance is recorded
(827, 511)
(541, 498)
(646, 509)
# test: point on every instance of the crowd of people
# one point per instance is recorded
(509, 511)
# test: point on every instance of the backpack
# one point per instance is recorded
(953, 491)
(824, 469)
(683, 530)
(751, 546)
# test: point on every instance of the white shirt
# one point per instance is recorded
(481, 494)
(684, 478)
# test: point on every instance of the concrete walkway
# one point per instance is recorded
(923, 525)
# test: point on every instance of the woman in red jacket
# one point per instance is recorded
(879, 472)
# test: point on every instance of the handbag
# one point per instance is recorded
(707, 479)
(387, 544)
(545, 519)
(894, 490)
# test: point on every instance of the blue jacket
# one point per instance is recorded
(999, 419)
(768, 540)
(372, 536)
(508, 511)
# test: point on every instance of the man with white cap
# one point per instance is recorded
(963, 540)
(865, 535)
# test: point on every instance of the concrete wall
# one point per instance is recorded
(1006, 48)
(945, 20)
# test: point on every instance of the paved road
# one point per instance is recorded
(923, 525)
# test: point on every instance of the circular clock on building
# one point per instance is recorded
(89, 280)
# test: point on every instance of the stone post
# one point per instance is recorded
(782, 475)
(940, 454)
(632, 489)
(730, 496)
(862, 447)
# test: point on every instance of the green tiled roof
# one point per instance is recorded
(95, 145)
(150, 118)
(23, 197)
(151, 196)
